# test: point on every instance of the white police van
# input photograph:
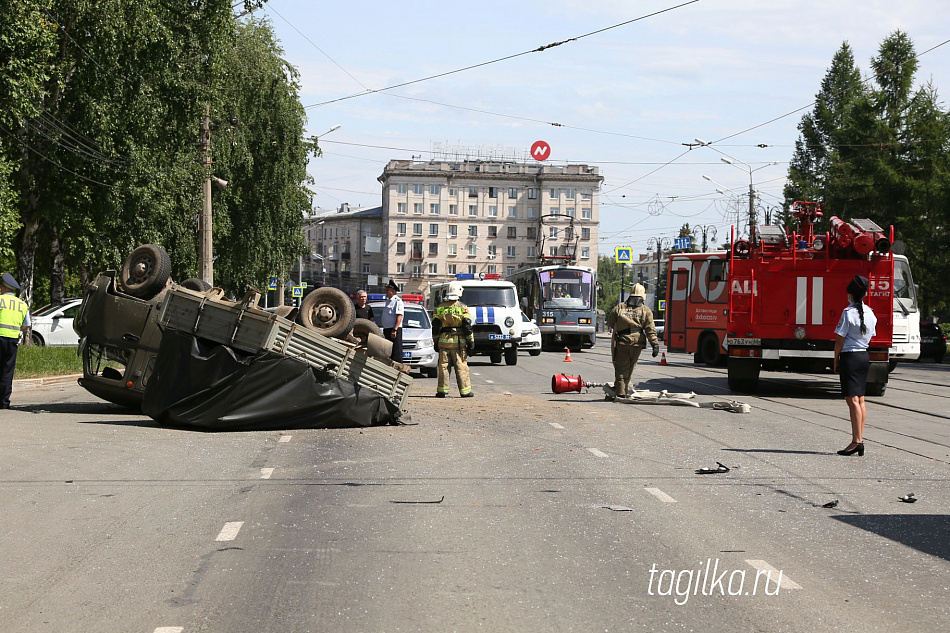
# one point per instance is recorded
(494, 304)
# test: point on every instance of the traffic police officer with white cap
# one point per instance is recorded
(14, 319)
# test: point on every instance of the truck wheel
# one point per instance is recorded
(709, 350)
(875, 388)
(198, 285)
(495, 357)
(743, 374)
(327, 311)
(511, 355)
(362, 327)
(146, 271)
(891, 365)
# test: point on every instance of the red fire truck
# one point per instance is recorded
(773, 302)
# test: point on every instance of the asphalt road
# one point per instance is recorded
(517, 510)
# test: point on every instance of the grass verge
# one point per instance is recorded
(40, 362)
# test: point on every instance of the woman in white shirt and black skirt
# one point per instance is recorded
(854, 332)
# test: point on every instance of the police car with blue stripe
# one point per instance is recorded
(494, 304)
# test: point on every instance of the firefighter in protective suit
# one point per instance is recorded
(632, 325)
(453, 338)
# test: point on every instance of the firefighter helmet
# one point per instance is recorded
(454, 291)
(638, 291)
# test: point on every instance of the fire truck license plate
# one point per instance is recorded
(499, 337)
(744, 341)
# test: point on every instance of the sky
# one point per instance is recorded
(632, 85)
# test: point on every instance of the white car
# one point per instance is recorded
(417, 349)
(530, 336)
(53, 324)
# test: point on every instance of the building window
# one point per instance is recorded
(400, 248)
(417, 228)
(453, 230)
(400, 229)
(453, 209)
(473, 209)
(493, 212)
(585, 195)
(473, 192)
(492, 250)
(418, 189)
(453, 249)
(552, 251)
(417, 208)
(417, 250)
(453, 192)
(585, 252)
(434, 189)
(512, 212)
(552, 231)
(585, 213)
(532, 252)
(509, 271)
(554, 195)
(472, 250)
(472, 230)
(554, 211)
(433, 229)
(493, 192)
(570, 212)
(402, 207)
(568, 233)
(402, 188)
(532, 194)
(532, 212)
(569, 194)
(512, 251)
(531, 234)
(512, 232)
(417, 270)
(471, 269)
(434, 208)
(365, 269)
(513, 193)
(433, 248)
(452, 269)
(401, 268)
(433, 269)
(493, 231)
(491, 269)
(585, 234)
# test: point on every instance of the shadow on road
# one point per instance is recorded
(927, 533)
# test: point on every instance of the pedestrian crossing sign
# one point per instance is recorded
(272, 283)
(297, 291)
(623, 254)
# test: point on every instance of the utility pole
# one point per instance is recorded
(204, 246)
(661, 243)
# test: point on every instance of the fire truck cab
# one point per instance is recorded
(772, 303)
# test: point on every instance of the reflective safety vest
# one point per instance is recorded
(450, 314)
(13, 312)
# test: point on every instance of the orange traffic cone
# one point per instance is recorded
(663, 359)
(567, 359)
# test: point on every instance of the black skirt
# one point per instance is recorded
(853, 371)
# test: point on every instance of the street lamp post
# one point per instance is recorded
(660, 243)
(706, 230)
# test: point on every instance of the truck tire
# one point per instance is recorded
(743, 374)
(710, 351)
(198, 285)
(146, 271)
(875, 388)
(495, 358)
(511, 355)
(327, 311)
(362, 327)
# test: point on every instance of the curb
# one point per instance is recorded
(48, 381)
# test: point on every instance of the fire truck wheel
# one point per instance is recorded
(709, 350)
(146, 271)
(875, 388)
(891, 365)
(328, 311)
(743, 374)
(511, 355)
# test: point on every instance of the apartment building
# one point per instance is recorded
(443, 217)
(345, 245)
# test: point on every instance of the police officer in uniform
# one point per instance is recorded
(14, 313)
(632, 324)
(453, 338)
(391, 320)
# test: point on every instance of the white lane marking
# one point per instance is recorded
(266, 473)
(475, 373)
(490, 382)
(786, 582)
(556, 425)
(169, 629)
(230, 531)
(659, 494)
(598, 453)
(285, 438)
